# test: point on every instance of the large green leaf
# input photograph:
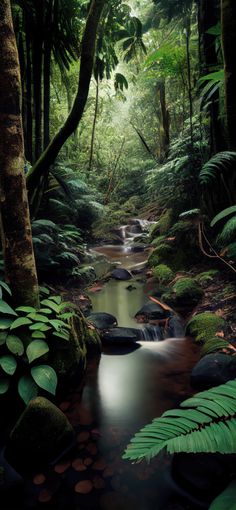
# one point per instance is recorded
(38, 334)
(27, 388)
(8, 364)
(204, 423)
(5, 323)
(45, 377)
(38, 317)
(4, 384)
(223, 214)
(22, 321)
(15, 345)
(36, 349)
(26, 309)
(6, 287)
(5, 308)
(51, 304)
(3, 337)
(226, 500)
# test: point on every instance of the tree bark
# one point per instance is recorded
(37, 77)
(86, 68)
(228, 18)
(94, 127)
(15, 221)
(164, 122)
(47, 74)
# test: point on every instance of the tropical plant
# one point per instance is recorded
(217, 179)
(27, 335)
(204, 423)
(226, 500)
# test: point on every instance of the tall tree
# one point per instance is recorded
(15, 221)
(228, 17)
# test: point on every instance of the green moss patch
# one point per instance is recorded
(163, 273)
(185, 292)
(206, 276)
(204, 326)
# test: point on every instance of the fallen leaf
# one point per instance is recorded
(84, 487)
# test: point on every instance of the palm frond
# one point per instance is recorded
(204, 423)
(228, 234)
(221, 163)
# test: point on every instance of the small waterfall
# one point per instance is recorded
(151, 333)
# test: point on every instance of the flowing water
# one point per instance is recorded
(122, 392)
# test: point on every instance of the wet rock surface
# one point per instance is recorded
(153, 311)
(102, 320)
(213, 370)
(121, 274)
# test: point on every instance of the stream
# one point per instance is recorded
(123, 391)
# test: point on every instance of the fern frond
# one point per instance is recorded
(221, 163)
(204, 423)
(228, 233)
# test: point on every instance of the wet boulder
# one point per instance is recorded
(121, 336)
(213, 370)
(42, 434)
(102, 320)
(121, 273)
(175, 327)
(153, 311)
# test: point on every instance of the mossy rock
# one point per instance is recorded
(185, 292)
(163, 273)
(165, 221)
(154, 231)
(206, 276)
(169, 255)
(42, 434)
(204, 326)
(158, 240)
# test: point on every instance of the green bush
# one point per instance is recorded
(163, 273)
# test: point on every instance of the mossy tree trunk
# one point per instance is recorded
(15, 221)
(86, 68)
(228, 17)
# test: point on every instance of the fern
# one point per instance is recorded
(222, 162)
(205, 423)
(228, 234)
(223, 214)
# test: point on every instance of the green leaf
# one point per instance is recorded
(27, 389)
(5, 287)
(22, 321)
(8, 364)
(38, 334)
(45, 310)
(5, 308)
(15, 345)
(3, 337)
(51, 305)
(57, 324)
(36, 349)
(62, 334)
(44, 290)
(67, 315)
(38, 317)
(56, 299)
(223, 214)
(5, 323)
(226, 500)
(4, 384)
(40, 326)
(45, 377)
(27, 309)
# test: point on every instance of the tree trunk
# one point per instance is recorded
(94, 127)
(208, 16)
(164, 122)
(15, 222)
(29, 116)
(37, 77)
(47, 75)
(228, 16)
(188, 58)
(86, 69)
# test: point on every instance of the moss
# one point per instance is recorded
(154, 231)
(204, 326)
(165, 221)
(161, 254)
(167, 254)
(158, 240)
(185, 292)
(163, 273)
(181, 229)
(206, 276)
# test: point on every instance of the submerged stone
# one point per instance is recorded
(121, 274)
(102, 320)
(153, 311)
(121, 335)
(42, 434)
